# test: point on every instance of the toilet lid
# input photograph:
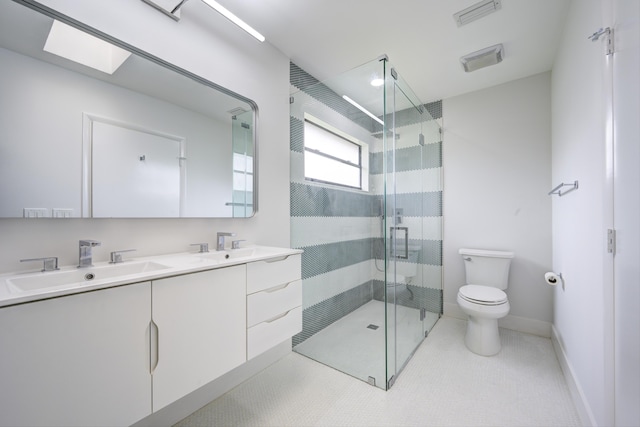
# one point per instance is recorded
(483, 294)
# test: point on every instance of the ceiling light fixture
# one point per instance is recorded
(233, 18)
(477, 11)
(377, 82)
(361, 108)
(482, 58)
(78, 46)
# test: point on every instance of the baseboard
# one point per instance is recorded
(177, 411)
(515, 323)
(579, 400)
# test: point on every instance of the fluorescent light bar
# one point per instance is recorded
(361, 108)
(233, 18)
(78, 46)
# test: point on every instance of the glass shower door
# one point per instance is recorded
(406, 305)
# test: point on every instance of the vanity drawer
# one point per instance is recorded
(269, 303)
(266, 274)
(266, 335)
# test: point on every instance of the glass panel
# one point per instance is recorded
(413, 178)
(362, 290)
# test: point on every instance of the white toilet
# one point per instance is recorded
(483, 298)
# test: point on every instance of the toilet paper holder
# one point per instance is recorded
(558, 189)
(553, 279)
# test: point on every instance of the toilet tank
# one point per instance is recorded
(487, 268)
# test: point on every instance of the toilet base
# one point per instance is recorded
(482, 336)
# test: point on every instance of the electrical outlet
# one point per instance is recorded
(35, 213)
(62, 213)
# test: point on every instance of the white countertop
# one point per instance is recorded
(32, 286)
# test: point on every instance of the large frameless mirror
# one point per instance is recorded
(115, 134)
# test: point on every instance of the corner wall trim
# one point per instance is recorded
(578, 397)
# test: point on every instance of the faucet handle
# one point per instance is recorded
(116, 256)
(49, 263)
(235, 244)
(204, 247)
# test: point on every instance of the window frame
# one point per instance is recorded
(361, 147)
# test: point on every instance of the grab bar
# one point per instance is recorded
(558, 189)
(394, 242)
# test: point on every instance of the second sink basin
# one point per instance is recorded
(75, 277)
(232, 254)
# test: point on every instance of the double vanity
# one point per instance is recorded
(113, 343)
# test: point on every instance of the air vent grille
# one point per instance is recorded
(483, 58)
(477, 11)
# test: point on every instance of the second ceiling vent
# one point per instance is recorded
(477, 11)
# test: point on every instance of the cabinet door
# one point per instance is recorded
(81, 360)
(201, 330)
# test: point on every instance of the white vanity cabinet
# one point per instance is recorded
(79, 360)
(274, 302)
(199, 332)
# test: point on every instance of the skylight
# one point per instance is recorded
(83, 48)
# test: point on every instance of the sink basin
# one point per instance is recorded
(232, 254)
(79, 276)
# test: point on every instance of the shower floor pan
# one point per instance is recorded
(352, 346)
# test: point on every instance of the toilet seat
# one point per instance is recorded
(483, 295)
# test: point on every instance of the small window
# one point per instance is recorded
(331, 158)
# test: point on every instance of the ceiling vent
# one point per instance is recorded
(483, 58)
(477, 11)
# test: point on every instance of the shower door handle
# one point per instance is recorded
(394, 246)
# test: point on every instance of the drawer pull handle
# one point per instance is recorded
(277, 288)
(278, 259)
(279, 316)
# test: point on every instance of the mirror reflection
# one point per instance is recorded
(114, 134)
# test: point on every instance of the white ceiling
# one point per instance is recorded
(420, 37)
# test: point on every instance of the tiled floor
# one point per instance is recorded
(443, 385)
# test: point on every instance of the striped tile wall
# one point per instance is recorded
(339, 229)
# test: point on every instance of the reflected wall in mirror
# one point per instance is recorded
(143, 140)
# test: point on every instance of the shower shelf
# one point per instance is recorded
(558, 189)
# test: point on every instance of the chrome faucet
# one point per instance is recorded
(220, 240)
(85, 258)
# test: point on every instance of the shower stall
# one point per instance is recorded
(366, 208)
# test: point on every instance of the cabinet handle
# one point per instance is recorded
(282, 258)
(154, 339)
(280, 316)
(278, 288)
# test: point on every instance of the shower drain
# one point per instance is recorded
(372, 326)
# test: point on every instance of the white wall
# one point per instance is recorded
(497, 169)
(579, 233)
(205, 43)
